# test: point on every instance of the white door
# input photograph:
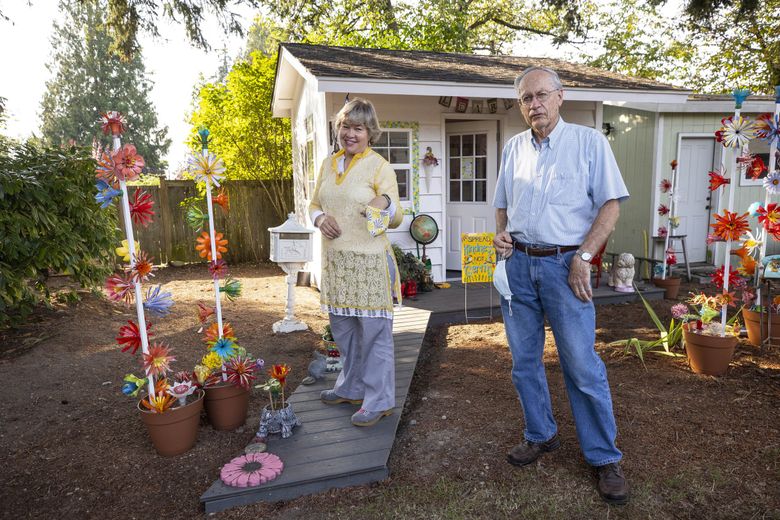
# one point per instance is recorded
(696, 159)
(472, 168)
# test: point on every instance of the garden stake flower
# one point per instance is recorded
(665, 186)
(224, 347)
(124, 250)
(768, 127)
(142, 269)
(141, 208)
(181, 390)
(280, 373)
(196, 218)
(717, 180)
(158, 403)
(130, 337)
(662, 231)
(204, 312)
(113, 123)
(127, 163)
(158, 303)
(772, 182)
(212, 360)
(663, 210)
(232, 288)
(106, 194)
(218, 269)
(132, 385)
(207, 167)
(769, 215)
(735, 133)
(211, 334)
(240, 371)
(158, 361)
(730, 226)
(120, 288)
(222, 199)
(756, 168)
(204, 245)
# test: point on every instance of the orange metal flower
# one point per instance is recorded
(158, 403)
(211, 334)
(717, 180)
(279, 372)
(756, 168)
(158, 361)
(748, 266)
(222, 199)
(769, 216)
(204, 311)
(730, 226)
(204, 245)
(142, 267)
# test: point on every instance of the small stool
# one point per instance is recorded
(681, 238)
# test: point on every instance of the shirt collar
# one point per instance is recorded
(552, 139)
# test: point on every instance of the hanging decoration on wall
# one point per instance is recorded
(461, 104)
(508, 103)
(492, 104)
(445, 101)
(476, 106)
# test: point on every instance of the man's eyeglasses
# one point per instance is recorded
(542, 96)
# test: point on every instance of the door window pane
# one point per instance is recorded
(454, 146)
(481, 168)
(468, 191)
(399, 155)
(454, 168)
(454, 191)
(481, 144)
(468, 145)
(382, 141)
(480, 194)
(399, 139)
(402, 176)
(383, 153)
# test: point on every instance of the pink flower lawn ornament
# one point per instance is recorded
(252, 469)
(181, 390)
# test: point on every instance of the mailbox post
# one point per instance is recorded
(291, 248)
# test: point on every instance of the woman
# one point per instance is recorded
(358, 265)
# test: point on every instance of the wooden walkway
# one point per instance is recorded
(326, 451)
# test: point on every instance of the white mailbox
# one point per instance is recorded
(291, 242)
(291, 248)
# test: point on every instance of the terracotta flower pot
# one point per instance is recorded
(671, 286)
(226, 406)
(709, 355)
(173, 432)
(756, 333)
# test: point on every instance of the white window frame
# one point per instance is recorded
(401, 166)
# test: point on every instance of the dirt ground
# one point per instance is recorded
(73, 447)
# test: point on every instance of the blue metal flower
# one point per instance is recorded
(158, 303)
(106, 194)
(739, 96)
(223, 347)
(204, 137)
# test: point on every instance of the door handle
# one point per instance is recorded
(709, 198)
(707, 207)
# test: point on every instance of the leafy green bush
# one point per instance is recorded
(49, 221)
(411, 268)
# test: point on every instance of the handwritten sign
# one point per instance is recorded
(478, 257)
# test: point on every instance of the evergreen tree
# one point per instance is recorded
(88, 79)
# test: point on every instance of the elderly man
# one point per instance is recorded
(557, 201)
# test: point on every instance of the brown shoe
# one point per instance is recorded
(527, 452)
(612, 486)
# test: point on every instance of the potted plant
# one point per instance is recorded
(332, 353)
(170, 411)
(277, 416)
(664, 279)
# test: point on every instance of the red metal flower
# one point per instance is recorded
(662, 231)
(128, 164)
(113, 123)
(130, 336)
(204, 312)
(769, 216)
(222, 199)
(717, 277)
(663, 210)
(665, 185)
(218, 269)
(141, 207)
(240, 371)
(717, 180)
(279, 372)
(730, 226)
(756, 168)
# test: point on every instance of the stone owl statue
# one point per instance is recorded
(623, 273)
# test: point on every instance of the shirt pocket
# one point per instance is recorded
(566, 188)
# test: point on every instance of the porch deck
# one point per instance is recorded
(326, 451)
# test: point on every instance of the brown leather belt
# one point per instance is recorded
(543, 251)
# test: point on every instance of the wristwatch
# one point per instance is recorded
(387, 198)
(584, 255)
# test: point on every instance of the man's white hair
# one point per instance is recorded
(553, 75)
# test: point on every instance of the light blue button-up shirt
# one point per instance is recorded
(552, 191)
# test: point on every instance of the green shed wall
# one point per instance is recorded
(632, 143)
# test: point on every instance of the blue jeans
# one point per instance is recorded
(540, 288)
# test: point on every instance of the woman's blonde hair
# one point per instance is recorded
(361, 112)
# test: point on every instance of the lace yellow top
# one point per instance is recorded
(355, 273)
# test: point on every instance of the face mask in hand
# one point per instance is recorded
(377, 220)
(501, 283)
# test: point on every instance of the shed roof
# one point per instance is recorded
(387, 64)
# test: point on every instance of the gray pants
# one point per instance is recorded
(368, 358)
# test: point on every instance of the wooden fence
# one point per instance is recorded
(245, 226)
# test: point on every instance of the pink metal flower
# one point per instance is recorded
(128, 164)
(158, 361)
(120, 288)
(141, 207)
(252, 469)
(218, 269)
(662, 231)
(113, 123)
(665, 185)
(663, 209)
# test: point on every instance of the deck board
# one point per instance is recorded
(326, 451)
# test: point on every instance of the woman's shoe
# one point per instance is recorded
(365, 418)
(330, 397)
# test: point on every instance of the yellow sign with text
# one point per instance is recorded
(478, 257)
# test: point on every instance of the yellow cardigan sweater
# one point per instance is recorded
(355, 274)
